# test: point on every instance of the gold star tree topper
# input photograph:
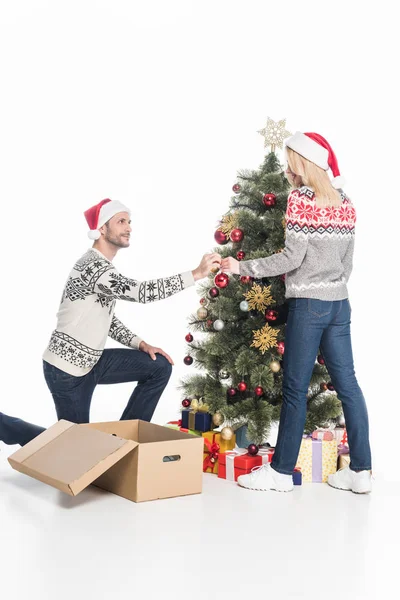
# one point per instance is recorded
(274, 133)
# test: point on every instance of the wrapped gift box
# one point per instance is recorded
(317, 459)
(177, 425)
(323, 434)
(196, 420)
(240, 462)
(213, 446)
(297, 476)
(343, 461)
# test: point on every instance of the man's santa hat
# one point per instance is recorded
(316, 149)
(98, 215)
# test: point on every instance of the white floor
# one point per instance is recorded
(226, 542)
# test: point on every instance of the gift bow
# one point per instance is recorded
(212, 448)
(232, 454)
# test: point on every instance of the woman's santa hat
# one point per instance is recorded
(316, 149)
(98, 215)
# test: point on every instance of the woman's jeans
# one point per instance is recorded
(73, 395)
(325, 325)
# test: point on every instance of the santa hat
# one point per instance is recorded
(316, 149)
(102, 212)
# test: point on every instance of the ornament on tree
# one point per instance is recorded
(227, 433)
(202, 313)
(271, 315)
(217, 419)
(274, 133)
(219, 325)
(259, 297)
(213, 292)
(244, 305)
(229, 223)
(188, 360)
(189, 338)
(214, 270)
(231, 392)
(223, 374)
(246, 279)
(269, 200)
(330, 386)
(264, 338)
(203, 301)
(221, 280)
(259, 391)
(320, 359)
(220, 237)
(186, 403)
(280, 347)
(275, 366)
(252, 449)
(209, 323)
(323, 386)
(237, 235)
(283, 277)
(242, 386)
(240, 255)
(236, 188)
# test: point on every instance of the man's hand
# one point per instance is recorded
(230, 264)
(207, 263)
(152, 351)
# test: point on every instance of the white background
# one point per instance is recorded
(158, 104)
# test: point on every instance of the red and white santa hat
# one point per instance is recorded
(98, 215)
(316, 149)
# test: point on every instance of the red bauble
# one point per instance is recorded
(202, 301)
(271, 315)
(213, 292)
(242, 386)
(320, 359)
(220, 237)
(188, 360)
(231, 392)
(283, 277)
(252, 449)
(280, 347)
(209, 323)
(189, 338)
(269, 200)
(330, 386)
(186, 403)
(240, 255)
(237, 235)
(246, 279)
(259, 390)
(221, 280)
(236, 188)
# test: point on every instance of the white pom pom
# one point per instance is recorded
(94, 234)
(338, 182)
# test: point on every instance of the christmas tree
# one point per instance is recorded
(239, 328)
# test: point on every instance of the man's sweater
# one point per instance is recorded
(318, 254)
(86, 314)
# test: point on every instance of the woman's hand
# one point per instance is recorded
(230, 264)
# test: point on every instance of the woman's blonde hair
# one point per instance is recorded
(314, 177)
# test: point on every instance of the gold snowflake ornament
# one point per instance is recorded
(274, 133)
(264, 338)
(259, 297)
(229, 223)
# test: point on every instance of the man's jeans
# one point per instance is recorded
(72, 395)
(312, 325)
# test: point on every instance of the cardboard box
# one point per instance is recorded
(134, 459)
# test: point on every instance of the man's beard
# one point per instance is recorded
(117, 241)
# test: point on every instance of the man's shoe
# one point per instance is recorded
(346, 479)
(265, 478)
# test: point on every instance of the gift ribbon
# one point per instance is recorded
(212, 448)
(232, 454)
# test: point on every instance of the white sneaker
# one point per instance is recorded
(265, 478)
(346, 479)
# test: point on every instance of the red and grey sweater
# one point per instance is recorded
(318, 254)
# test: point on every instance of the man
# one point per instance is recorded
(75, 360)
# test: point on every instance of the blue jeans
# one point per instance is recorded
(312, 325)
(73, 395)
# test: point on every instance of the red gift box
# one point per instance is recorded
(240, 462)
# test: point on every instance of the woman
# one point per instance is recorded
(317, 260)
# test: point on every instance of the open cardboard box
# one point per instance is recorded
(134, 459)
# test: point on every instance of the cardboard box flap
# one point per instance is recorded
(69, 456)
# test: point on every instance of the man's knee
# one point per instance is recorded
(163, 366)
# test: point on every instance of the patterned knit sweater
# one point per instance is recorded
(318, 254)
(86, 314)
